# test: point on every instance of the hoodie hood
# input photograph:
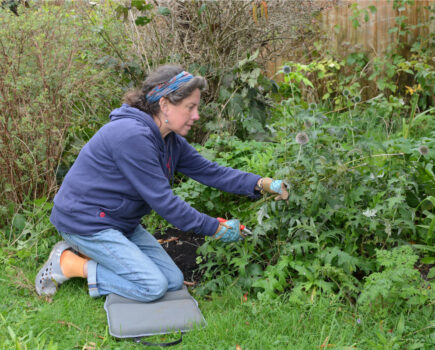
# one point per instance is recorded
(126, 111)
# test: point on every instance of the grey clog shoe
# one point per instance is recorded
(50, 276)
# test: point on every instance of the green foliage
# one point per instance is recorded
(396, 283)
(352, 137)
(50, 85)
(352, 191)
(228, 151)
(243, 95)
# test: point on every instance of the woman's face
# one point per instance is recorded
(182, 116)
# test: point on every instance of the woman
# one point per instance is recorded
(123, 173)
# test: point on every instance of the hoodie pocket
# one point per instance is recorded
(127, 210)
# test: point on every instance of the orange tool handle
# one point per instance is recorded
(242, 227)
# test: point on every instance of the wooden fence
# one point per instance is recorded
(372, 36)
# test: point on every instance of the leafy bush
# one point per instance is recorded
(50, 85)
(349, 195)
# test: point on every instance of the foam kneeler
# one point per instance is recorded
(177, 311)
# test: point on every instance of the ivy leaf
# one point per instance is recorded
(141, 5)
(164, 11)
(142, 20)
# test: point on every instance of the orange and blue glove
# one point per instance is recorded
(268, 185)
(229, 231)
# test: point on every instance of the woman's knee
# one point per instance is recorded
(176, 281)
(153, 290)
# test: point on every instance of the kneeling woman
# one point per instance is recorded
(123, 173)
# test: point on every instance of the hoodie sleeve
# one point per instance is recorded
(227, 179)
(137, 157)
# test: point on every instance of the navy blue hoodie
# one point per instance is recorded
(124, 172)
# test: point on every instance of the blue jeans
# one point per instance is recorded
(133, 265)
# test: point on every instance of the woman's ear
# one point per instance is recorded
(163, 103)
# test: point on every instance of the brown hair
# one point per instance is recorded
(137, 98)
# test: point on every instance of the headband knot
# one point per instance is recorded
(169, 86)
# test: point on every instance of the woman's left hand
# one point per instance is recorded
(266, 184)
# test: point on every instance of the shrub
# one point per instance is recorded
(350, 194)
(49, 85)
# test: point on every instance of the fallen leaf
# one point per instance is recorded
(326, 345)
(68, 324)
(171, 239)
(89, 346)
(245, 298)
(324, 342)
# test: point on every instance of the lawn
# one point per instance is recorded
(72, 320)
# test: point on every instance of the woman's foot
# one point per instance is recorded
(50, 276)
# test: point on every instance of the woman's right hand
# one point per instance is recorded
(229, 231)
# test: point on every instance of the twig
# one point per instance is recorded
(376, 155)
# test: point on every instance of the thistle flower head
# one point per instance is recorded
(312, 106)
(286, 69)
(357, 99)
(423, 150)
(302, 138)
(346, 93)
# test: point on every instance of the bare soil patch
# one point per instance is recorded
(181, 247)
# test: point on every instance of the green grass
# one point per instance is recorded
(74, 320)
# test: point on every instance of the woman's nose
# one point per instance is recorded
(195, 115)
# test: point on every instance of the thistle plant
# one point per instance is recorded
(423, 150)
(287, 70)
(301, 139)
(355, 100)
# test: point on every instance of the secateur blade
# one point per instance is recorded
(245, 230)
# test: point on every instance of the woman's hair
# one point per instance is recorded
(138, 98)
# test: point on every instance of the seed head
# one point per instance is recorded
(357, 99)
(302, 138)
(312, 106)
(286, 69)
(423, 150)
(346, 93)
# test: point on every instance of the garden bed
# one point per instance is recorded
(181, 247)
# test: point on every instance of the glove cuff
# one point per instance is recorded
(269, 185)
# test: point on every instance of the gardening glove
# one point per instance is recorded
(266, 184)
(229, 231)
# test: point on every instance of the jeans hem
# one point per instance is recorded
(92, 279)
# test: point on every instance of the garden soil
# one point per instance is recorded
(181, 247)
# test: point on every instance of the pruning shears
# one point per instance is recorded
(243, 228)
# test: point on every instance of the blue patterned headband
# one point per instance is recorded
(169, 86)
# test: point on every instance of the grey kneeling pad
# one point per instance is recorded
(176, 311)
